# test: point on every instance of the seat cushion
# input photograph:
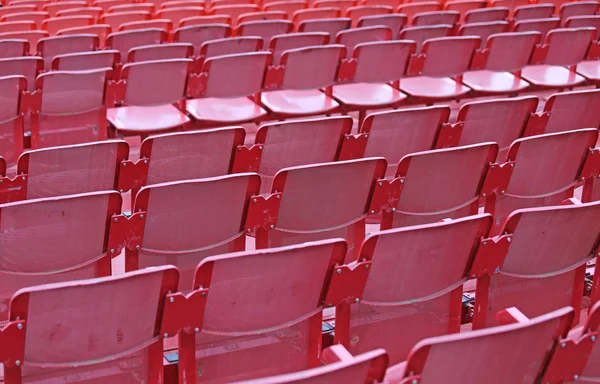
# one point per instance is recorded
(219, 110)
(298, 103)
(494, 82)
(552, 76)
(146, 119)
(590, 70)
(360, 95)
(433, 87)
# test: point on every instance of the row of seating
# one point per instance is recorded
(238, 322)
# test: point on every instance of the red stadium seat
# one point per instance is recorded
(11, 127)
(289, 7)
(421, 34)
(411, 9)
(284, 42)
(436, 18)
(27, 66)
(357, 13)
(51, 47)
(483, 30)
(125, 40)
(32, 37)
(115, 19)
(13, 48)
(165, 24)
(329, 25)
(259, 16)
(486, 15)
(567, 111)
(17, 26)
(83, 61)
(100, 30)
(542, 26)
(536, 11)
(315, 13)
(36, 17)
(265, 29)
(394, 22)
(352, 37)
(160, 52)
(177, 13)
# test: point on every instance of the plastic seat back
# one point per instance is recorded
(165, 24)
(17, 26)
(52, 8)
(13, 48)
(287, 340)
(177, 13)
(382, 61)
(35, 16)
(72, 108)
(411, 9)
(583, 21)
(234, 11)
(315, 13)
(32, 37)
(127, 306)
(357, 13)
(395, 22)
(289, 7)
(572, 110)
(11, 125)
(420, 34)
(115, 19)
(93, 12)
(395, 134)
(483, 30)
(18, 8)
(171, 232)
(100, 30)
(202, 20)
(160, 52)
(282, 43)
(294, 143)
(73, 248)
(368, 367)
(106, 4)
(144, 7)
(509, 52)
(322, 201)
(237, 75)
(230, 46)
(182, 3)
(542, 26)
(259, 16)
(265, 29)
(407, 303)
(448, 56)
(27, 66)
(486, 15)
(464, 6)
(124, 41)
(536, 11)
(51, 47)
(73, 169)
(546, 170)
(331, 26)
(84, 61)
(544, 266)
(500, 121)
(198, 34)
(168, 82)
(55, 24)
(450, 358)
(458, 172)
(311, 67)
(352, 37)
(436, 18)
(568, 46)
(581, 8)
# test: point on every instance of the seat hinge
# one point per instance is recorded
(126, 232)
(490, 256)
(353, 146)
(133, 175)
(183, 312)
(569, 359)
(497, 178)
(262, 212)
(347, 283)
(247, 159)
(12, 340)
(386, 195)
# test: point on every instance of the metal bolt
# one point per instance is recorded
(142, 216)
(1, 181)
(196, 330)
(367, 266)
(347, 137)
(260, 147)
(372, 212)
(145, 161)
(484, 194)
(357, 300)
(471, 314)
(272, 226)
(380, 184)
(339, 271)
(593, 338)
(330, 305)
(415, 381)
(583, 179)
(120, 190)
(239, 149)
(171, 299)
(393, 209)
(254, 200)
(563, 345)
(112, 251)
(166, 335)
(473, 276)
(401, 181)
(18, 363)
(23, 178)
(485, 243)
(137, 247)
(124, 164)
(116, 220)
(508, 239)
(512, 165)
(503, 192)
(249, 230)
(19, 326)
(366, 136)
(203, 294)
(576, 377)
(278, 197)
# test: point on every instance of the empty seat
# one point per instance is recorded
(71, 109)
(284, 42)
(578, 342)
(13, 48)
(228, 90)
(198, 34)
(583, 21)
(563, 47)
(580, 8)
(342, 5)
(165, 24)
(545, 171)
(32, 37)
(289, 7)
(259, 16)
(129, 307)
(542, 26)
(483, 30)
(202, 20)
(35, 16)
(178, 13)
(496, 69)
(55, 24)
(395, 134)
(160, 52)
(423, 33)
(536, 11)
(124, 41)
(464, 6)
(100, 30)
(93, 12)
(230, 46)
(315, 13)
(439, 75)
(286, 342)
(106, 4)
(501, 121)
(234, 11)
(144, 7)
(357, 13)
(486, 15)
(408, 303)
(543, 267)
(457, 174)
(329, 25)
(352, 37)
(450, 359)
(68, 246)
(377, 65)
(11, 120)
(17, 26)
(395, 22)
(265, 29)
(17, 9)
(305, 72)
(318, 201)
(567, 111)
(436, 18)
(51, 47)
(117, 18)
(411, 9)
(28, 67)
(292, 143)
(151, 90)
